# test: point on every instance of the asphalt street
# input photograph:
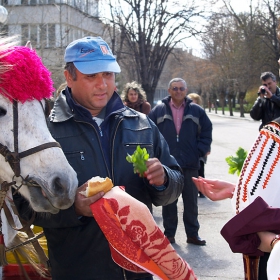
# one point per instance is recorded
(216, 260)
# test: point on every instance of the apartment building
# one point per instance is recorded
(50, 25)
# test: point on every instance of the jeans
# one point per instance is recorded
(190, 214)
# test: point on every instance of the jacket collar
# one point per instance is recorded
(65, 108)
(167, 99)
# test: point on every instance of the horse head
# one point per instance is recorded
(31, 161)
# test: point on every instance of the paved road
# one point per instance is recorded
(215, 260)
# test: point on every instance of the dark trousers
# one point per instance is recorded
(190, 214)
(201, 170)
(262, 266)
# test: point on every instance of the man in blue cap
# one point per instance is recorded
(96, 132)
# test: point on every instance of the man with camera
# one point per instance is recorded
(267, 106)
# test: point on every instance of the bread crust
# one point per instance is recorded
(96, 185)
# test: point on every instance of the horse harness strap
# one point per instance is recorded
(32, 238)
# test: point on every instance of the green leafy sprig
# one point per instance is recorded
(236, 163)
(138, 159)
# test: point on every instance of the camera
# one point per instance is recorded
(262, 90)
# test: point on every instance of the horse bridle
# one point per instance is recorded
(13, 158)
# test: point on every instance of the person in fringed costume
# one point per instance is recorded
(256, 200)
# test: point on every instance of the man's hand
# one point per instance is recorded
(214, 189)
(155, 173)
(82, 203)
(267, 93)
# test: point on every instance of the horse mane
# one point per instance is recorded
(23, 75)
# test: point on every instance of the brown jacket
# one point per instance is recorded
(144, 107)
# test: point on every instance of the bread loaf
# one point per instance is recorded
(97, 184)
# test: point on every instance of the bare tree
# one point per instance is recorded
(234, 44)
(144, 33)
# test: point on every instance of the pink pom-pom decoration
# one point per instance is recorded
(27, 78)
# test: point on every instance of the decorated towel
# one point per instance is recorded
(136, 242)
(260, 177)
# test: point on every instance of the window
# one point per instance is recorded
(35, 2)
(51, 35)
(33, 34)
(40, 36)
(25, 32)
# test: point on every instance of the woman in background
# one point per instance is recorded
(134, 96)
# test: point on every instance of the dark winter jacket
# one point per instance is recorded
(266, 109)
(77, 246)
(195, 137)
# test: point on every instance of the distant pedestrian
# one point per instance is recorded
(267, 105)
(134, 96)
(188, 132)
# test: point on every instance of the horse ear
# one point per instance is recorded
(28, 45)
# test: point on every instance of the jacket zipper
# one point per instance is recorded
(124, 275)
(100, 132)
(113, 142)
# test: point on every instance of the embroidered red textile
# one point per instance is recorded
(136, 242)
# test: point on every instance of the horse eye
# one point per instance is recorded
(3, 112)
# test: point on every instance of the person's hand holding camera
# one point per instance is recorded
(264, 91)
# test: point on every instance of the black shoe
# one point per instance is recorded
(171, 239)
(196, 240)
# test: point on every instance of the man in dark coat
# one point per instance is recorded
(96, 132)
(188, 132)
(267, 106)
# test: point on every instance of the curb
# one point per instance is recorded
(219, 114)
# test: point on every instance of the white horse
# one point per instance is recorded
(49, 168)
(31, 162)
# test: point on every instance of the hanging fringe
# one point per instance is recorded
(251, 267)
(3, 260)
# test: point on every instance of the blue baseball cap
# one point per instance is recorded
(91, 55)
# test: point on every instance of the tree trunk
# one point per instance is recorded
(241, 101)
(230, 105)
